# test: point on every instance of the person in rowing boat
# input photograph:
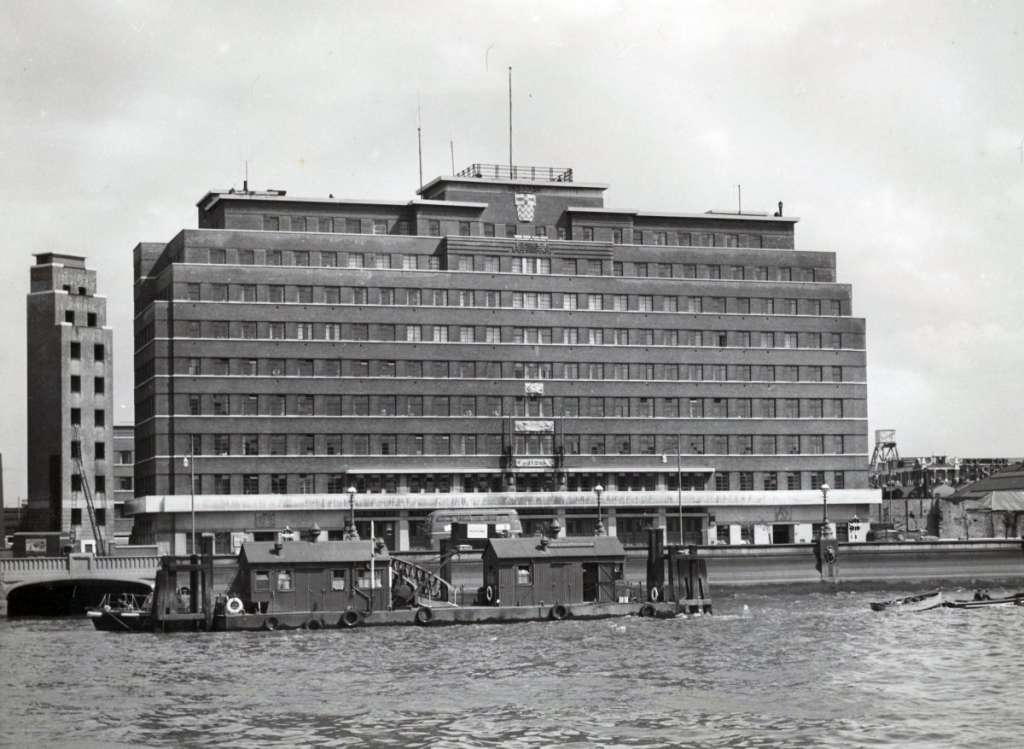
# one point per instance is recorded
(982, 595)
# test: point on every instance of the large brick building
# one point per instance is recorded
(503, 340)
(70, 400)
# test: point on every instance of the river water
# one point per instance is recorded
(769, 669)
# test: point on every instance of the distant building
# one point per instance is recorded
(124, 480)
(504, 340)
(916, 477)
(70, 400)
(991, 507)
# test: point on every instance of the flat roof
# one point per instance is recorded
(210, 199)
(535, 184)
(705, 215)
(306, 552)
(48, 258)
(530, 547)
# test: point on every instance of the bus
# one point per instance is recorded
(481, 524)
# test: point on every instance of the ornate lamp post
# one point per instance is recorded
(599, 528)
(350, 532)
(824, 503)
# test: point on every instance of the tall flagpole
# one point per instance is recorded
(510, 121)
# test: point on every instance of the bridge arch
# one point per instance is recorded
(66, 596)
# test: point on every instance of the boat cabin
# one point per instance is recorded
(309, 576)
(528, 571)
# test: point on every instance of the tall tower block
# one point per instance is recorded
(70, 399)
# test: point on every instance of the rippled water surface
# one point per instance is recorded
(767, 670)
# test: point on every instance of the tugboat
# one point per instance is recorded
(346, 584)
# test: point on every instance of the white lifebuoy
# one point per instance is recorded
(655, 593)
(234, 606)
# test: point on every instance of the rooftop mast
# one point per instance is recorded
(419, 137)
(510, 168)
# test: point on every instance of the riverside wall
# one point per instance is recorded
(964, 562)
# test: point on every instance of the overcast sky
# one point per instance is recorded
(893, 129)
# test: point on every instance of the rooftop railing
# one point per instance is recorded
(504, 171)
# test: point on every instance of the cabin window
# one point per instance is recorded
(524, 574)
(363, 579)
(337, 579)
(261, 582)
(284, 580)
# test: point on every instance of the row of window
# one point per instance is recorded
(431, 483)
(70, 317)
(496, 405)
(99, 384)
(99, 417)
(495, 299)
(462, 370)
(523, 444)
(99, 452)
(310, 483)
(495, 334)
(99, 351)
(615, 235)
(511, 264)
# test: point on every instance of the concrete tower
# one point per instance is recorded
(70, 400)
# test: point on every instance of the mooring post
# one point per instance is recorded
(207, 579)
(655, 563)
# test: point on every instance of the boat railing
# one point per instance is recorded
(430, 587)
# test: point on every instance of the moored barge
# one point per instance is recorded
(349, 584)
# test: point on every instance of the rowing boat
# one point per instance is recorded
(920, 602)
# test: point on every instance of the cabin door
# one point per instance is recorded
(606, 582)
(590, 581)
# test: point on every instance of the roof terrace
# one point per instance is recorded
(512, 172)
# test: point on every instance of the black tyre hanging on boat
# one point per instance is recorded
(424, 616)
(351, 619)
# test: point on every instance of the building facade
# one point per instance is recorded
(70, 401)
(503, 340)
(124, 480)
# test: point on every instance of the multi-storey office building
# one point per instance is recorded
(505, 340)
(70, 399)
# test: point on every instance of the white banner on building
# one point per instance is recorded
(542, 426)
(535, 463)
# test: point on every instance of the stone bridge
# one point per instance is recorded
(62, 585)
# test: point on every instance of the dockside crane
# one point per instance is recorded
(101, 548)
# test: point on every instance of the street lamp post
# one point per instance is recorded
(190, 463)
(599, 529)
(351, 534)
(824, 503)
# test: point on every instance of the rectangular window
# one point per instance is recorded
(261, 581)
(434, 228)
(284, 580)
(524, 574)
